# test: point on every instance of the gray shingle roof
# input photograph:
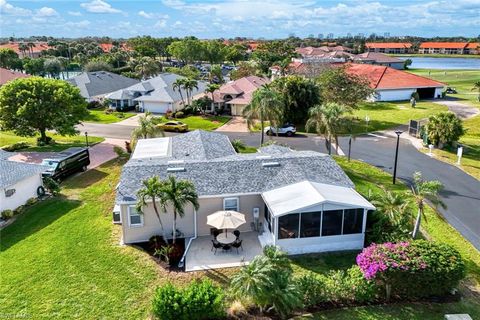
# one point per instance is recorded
(4, 155)
(12, 171)
(97, 83)
(217, 170)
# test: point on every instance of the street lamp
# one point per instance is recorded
(86, 138)
(398, 133)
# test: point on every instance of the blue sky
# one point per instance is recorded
(251, 18)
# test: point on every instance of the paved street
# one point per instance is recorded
(461, 193)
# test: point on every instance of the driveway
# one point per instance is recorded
(131, 122)
(462, 110)
(236, 124)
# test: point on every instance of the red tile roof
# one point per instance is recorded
(388, 45)
(381, 77)
(107, 47)
(473, 45)
(39, 46)
(7, 75)
(446, 45)
(243, 87)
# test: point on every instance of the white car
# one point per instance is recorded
(287, 129)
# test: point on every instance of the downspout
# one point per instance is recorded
(182, 261)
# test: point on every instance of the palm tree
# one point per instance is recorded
(151, 191)
(146, 128)
(178, 85)
(190, 84)
(30, 46)
(476, 87)
(393, 205)
(211, 88)
(422, 191)
(176, 194)
(266, 105)
(327, 120)
(23, 48)
(147, 67)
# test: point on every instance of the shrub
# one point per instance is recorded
(312, 289)
(179, 114)
(415, 96)
(238, 145)
(199, 300)
(51, 185)
(16, 146)
(7, 214)
(31, 201)
(412, 269)
(120, 152)
(444, 128)
(95, 105)
(41, 143)
(18, 210)
(109, 111)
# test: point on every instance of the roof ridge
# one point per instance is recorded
(381, 77)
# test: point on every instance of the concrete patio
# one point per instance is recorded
(201, 257)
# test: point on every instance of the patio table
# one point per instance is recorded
(226, 238)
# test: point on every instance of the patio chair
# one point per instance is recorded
(216, 245)
(226, 247)
(237, 244)
(215, 233)
(237, 234)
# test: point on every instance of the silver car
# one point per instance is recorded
(287, 129)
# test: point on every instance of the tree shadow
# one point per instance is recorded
(35, 218)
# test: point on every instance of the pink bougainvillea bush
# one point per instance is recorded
(413, 269)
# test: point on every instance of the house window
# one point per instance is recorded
(117, 217)
(288, 226)
(332, 223)
(230, 204)
(135, 219)
(352, 221)
(310, 224)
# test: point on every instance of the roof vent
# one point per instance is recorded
(270, 164)
(264, 157)
(176, 169)
(176, 161)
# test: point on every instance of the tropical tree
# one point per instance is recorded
(327, 120)
(34, 67)
(35, 105)
(215, 74)
(176, 194)
(97, 65)
(188, 86)
(52, 67)
(151, 191)
(211, 88)
(147, 67)
(393, 205)
(266, 105)
(476, 87)
(7, 58)
(146, 128)
(423, 191)
(178, 85)
(444, 128)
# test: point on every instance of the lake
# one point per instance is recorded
(442, 63)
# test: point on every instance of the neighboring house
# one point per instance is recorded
(33, 51)
(155, 95)
(381, 59)
(306, 52)
(389, 47)
(472, 48)
(302, 199)
(392, 85)
(19, 182)
(448, 48)
(8, 75)
(95, 85)
(235, 95)
(107, 47)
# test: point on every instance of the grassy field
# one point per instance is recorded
(62, 258)
(462, 80)
(61, 142)
(99, 116)
(208, 123)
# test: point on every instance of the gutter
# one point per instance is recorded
(182, 261)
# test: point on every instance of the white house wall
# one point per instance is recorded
(394, 95)
(24, 190)
(322, 244)
(155, 107)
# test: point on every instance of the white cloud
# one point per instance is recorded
(177, 4)
(7, 8)
(177, 24)
(99, 6)
(75, 13)
(79, 24)
(46, 12)
(145, 15)
(160, 24)
(152, 15)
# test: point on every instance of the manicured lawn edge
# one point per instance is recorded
(99, 116)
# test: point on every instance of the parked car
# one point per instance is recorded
(67, 163)
(176, 126)
(451, 90)
(287, 129)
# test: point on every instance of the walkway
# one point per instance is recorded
(462, 110)
(236, 124)
(131, 122)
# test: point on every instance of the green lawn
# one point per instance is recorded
(99, 116)
(61, 142)
(208, 123)
(461, 80)
(62, 258)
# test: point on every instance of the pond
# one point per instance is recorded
(442, 63)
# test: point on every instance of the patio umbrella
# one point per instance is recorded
(226, 219)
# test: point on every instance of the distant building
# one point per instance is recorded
(448, 48)
(8, 75)
(32, 51)
(379, 59)
(389, 47)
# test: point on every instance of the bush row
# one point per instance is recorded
(16, 146)
(199, 300)
(7, 214)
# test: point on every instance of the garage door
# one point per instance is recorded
(156, 107)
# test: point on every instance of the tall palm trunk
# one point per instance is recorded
(417, 223)
(159, 219)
